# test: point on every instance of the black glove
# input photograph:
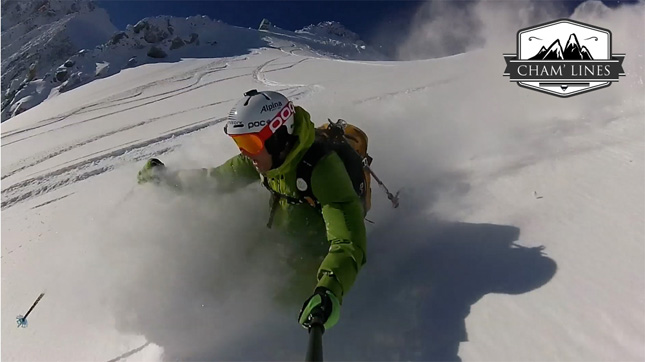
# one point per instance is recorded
(324, 304)
(151, 171)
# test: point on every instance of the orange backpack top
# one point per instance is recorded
(357, 139)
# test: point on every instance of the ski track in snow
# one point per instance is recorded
(97, 165)
(125, 97)
(116, 100)
(162, 97)
(36, 159)
(258, 74)
(406, 91)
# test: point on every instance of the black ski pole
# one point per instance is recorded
(393, 198)
(22, 320)
(315, 348)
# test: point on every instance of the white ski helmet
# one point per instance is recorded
(258, 111)
(257, 121)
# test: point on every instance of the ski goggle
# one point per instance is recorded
(250, 143)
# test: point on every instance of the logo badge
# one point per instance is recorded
(564, 58)
(301, 184)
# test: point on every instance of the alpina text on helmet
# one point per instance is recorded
(270, 107)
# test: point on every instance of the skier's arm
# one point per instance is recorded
(342, 210)
(235, 173)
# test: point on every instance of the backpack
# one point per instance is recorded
(350, 143)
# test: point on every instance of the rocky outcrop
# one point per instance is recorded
(156, 52)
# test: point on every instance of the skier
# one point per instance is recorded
(273, 137)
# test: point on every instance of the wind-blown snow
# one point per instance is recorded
(519, 236)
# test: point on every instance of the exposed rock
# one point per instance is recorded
(73, 82)
(156, 52)
(22, 105)
(117, 37)
(101, 69)
(62, 74)
(171, 30)
(69, 63)
(151, 37)
(31, 73)
(141, 25)
(176, 43)
(193, 38)
(264, 25)
(154, 34)
(132, 62)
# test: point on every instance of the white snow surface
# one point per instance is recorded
(520, 235)
(67, 39)
(47, 33)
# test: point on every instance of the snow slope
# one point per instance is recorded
(519, 236)
(44, 34)
(57, 46)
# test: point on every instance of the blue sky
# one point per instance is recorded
(367, 18)
(358, 16)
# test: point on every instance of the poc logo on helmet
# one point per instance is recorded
(256, 124)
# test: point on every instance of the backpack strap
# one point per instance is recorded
(276, 194)
(275, 198)
(305, 169)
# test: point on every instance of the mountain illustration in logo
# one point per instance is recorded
(572, 51)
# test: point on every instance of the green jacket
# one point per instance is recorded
(342, 210)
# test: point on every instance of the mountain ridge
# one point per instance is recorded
(63, 61)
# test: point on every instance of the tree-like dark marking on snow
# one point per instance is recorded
(52, 201)
(130, 353)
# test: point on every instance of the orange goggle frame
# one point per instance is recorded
(250, 143)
